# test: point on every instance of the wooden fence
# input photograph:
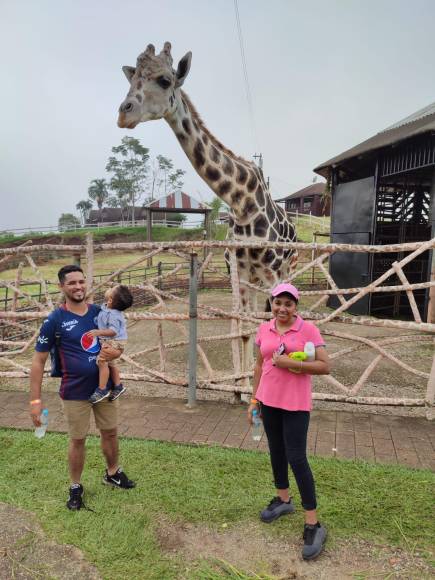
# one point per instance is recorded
(242, 324)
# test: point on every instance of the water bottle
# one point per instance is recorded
(256, 426)
(40, 431)
(310, 351)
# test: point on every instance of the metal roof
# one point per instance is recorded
(313, 189)
(423, 121)
(178, 200)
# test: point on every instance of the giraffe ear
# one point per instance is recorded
(183, 69)
(129, 72)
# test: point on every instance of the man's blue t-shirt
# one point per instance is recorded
(78, 352)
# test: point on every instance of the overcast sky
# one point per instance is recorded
(324, 75)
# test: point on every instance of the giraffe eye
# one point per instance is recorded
(163, 82)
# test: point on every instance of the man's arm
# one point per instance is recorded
(36, 375)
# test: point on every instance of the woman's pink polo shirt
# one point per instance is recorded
(279, 387)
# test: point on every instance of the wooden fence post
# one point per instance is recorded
(430, 392)
(193, 330)
(89, 266)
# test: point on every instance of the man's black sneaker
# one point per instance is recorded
(314, 539)
(118, 479)
(99, 395)
(116, 392)
(75, 501)
(276, 509)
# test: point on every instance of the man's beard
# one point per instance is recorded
(77, 300)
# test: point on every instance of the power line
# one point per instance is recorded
(245, 74)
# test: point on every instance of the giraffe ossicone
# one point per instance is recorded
(155, 93)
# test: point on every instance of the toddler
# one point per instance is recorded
(112, 333)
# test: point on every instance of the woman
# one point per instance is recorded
(282, 393)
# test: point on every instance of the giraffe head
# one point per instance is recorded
(153, 84)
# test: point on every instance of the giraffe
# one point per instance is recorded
(155, 93)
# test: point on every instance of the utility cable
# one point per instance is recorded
(245, 74)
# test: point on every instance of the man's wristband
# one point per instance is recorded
(35, 402)
(254, 402)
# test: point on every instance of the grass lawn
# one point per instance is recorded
(211, 487)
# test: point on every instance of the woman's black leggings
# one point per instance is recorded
(287, 436)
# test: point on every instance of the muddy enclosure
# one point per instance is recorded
(387, 380)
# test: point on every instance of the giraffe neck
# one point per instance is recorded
(236, 181)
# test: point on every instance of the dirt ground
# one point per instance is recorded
(26, 553)
(388, 380)
(249, 548)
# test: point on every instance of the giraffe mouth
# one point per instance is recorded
(123, 124)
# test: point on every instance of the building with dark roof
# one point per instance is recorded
(383, 192)
(309, 200)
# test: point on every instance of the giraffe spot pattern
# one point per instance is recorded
(240, 252)
(138, 97)
(260, 226)
(249, 207)
(181, 137)
(186, 126)
(224, 187)
(236, 197)
(238, 230)
(205, 138)
(242, 174)
(248, 230)
(270, 210)
(228, 166)
(259, 196)
(198, 153)
(252, 182)
(212, 173)
(214, 154)
(268, 256)
(139, 85)
(272, 235)
(195, 124)
(254, 253)
(185, 106)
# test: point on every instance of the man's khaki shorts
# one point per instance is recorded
(117, 345)
(78, 414)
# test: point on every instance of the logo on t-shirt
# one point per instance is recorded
(90, 343)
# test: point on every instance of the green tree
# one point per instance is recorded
(129, 169)
(164, 178)
(84, 206)
(217, 205)
(113, 201)
(98, 192)
(175, 180)
(179, 218)
(165, 165)
(68, 221)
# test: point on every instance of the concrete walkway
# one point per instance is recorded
(379, 438)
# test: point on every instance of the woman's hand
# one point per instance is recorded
(280, 360)
(252, 407)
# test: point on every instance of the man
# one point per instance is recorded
(78, 352)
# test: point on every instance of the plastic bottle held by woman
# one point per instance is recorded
(310, 351)
(257, 427)
(40, 431)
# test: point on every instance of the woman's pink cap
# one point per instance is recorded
(289, 288)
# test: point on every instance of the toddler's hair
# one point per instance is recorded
(122, 298)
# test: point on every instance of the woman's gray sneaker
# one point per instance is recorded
(276, 509)
(314, 539)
